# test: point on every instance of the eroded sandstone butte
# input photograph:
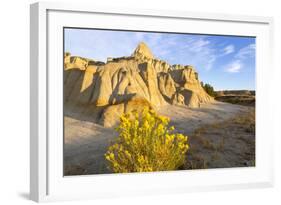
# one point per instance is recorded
(100, 92)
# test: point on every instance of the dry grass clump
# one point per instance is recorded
(146, 143)
(247, 120)
(230, 143)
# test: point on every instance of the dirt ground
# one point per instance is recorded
(230, 143)
(220, 135)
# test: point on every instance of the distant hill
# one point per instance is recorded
(235, 92)
(241, 97)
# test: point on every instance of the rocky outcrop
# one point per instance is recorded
(111, 114)
(101, 92)
(142, 52)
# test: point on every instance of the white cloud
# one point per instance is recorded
(246, 52)
(198, 51)
(210, 61)
(234, 67)
(199, 45)
(228, 49)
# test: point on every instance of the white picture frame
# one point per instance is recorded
(47, 182)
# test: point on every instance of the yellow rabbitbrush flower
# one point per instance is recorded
(146, 143)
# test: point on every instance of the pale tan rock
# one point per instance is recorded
(103, 88)
(190, 87)
(137, 103)
(67, 56)
(76, 62)
(88, 77)
(149, 76)
(166, 86)
(178, 99)
(73, 81)
(143, 52)
(103, 91)
(111, 115)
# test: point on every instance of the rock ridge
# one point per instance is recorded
(101, 92)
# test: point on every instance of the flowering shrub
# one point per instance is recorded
(146, 143)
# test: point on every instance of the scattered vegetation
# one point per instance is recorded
(209, 89)
(146, 143)
(247, 100)
(230, 143)
(248, 121)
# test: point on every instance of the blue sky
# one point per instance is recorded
(226, 62)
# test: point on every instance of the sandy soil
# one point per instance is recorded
(188, 119)
(86, 142)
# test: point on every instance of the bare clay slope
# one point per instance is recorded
(87, 142)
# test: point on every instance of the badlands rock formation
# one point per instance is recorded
(101, 92)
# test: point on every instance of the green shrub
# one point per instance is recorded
(209, 89)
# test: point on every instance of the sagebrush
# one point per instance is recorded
(146, 143)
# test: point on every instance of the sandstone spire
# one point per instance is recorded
(142, 51)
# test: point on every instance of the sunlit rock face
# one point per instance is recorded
(101, 92)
